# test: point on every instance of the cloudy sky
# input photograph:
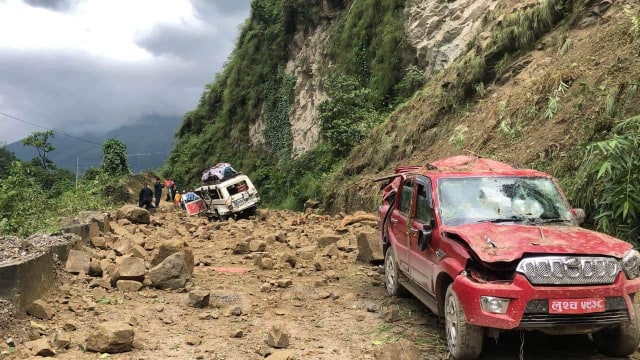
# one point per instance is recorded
(85, 65)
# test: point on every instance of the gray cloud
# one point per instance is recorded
(77, 92)
(56, 5)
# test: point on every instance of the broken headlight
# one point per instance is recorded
(631, 264)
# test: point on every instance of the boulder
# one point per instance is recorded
(61, 340)
(95, 269)
(138, 251)
(136, 215)
(78, 261)
(240, 248)
(266, 263)
(170, 247)
(171, 273)
(369, 248)
(198, 298)
(111, 337)
(41, 310)
(327, 239)
(128, 285)
(129, 268)
(257, 246)
(331, 250)
(99, 242)
(278, 336)
(402, 349)
(40, 347)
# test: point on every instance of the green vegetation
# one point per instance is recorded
(608, 184)
(368, 44)
(114, 158)
(34, 195)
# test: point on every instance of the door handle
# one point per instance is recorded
(394, 221)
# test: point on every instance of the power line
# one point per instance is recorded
(46, 128)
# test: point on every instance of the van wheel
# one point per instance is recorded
(221, 217)
(621, 340)
(392, 275)
(464, 340)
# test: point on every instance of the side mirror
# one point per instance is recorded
(424, 237)
(579, 214)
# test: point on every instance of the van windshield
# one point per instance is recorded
(500, 199)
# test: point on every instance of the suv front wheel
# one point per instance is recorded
(621, 340)
(464, 340)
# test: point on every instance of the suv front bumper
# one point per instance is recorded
(528, 305)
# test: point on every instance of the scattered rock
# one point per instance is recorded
(402, 349)
(292, 260)
(69, 326)
(240, 248)
(284, 283)
(265, 287)
(391, 315)
(198, 298)
(266, 263)
(129, 268)
(331, 250)
(99, 242)
(281, 355)
(128, 285)
(236, 311)
(138, 251)
(319, 264)
(40, 347)
(136, 215)
(357, 217)
(237, 334)
(327, 239)
(61, 341)
(95, 269)
(193, 340)
(369, 248)
(41, 310)
(171, 273)
(257, 245)
(278, 336)
(170, 247)
(111, 337)
(78, 261)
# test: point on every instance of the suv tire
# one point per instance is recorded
(392, 275)
(464, 340)
(621, 340)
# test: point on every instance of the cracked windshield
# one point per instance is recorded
(500, 199)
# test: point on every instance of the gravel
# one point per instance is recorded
(14, 249)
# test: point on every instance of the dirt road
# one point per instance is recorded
(299, 273)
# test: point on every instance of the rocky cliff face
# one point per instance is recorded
(440, 30)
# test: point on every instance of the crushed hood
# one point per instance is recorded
(508, 242)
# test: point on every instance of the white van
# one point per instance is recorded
(229, 198)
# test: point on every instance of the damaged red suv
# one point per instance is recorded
(492, 248)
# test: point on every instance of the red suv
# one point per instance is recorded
(492, 248)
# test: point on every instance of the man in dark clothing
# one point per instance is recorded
(146, 197)
(157, 189)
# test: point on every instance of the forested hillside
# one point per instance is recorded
(319, 97)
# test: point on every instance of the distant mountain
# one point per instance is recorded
(149, 142)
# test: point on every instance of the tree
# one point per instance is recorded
(6, 158)
(40, 140)
(114, 158)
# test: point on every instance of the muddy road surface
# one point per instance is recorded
(281, 285)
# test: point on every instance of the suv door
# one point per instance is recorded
(399, 224)
(421, 251)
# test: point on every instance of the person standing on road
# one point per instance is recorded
(146, 197)
(168, 184)
(157, 189)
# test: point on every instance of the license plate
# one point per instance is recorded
(576, 306)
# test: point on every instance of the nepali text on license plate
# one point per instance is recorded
(576, 306)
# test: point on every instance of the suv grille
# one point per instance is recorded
(536, 315)
(569, 270)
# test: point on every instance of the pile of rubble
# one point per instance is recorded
(17, 249)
